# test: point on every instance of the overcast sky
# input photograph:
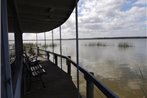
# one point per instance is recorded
(104, 18)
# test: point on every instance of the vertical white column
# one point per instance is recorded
(60, 45)
(77, 47)
(45, 40)
(6, 79)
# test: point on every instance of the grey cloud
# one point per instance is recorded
(102, 18)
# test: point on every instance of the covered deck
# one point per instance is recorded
(58, 84)
(19, 16)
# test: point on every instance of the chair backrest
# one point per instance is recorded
(28, 62)
(26, 58)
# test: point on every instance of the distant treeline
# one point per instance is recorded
(137, 37)
(144, 37)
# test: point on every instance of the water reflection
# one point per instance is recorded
(121, 68)
(115, 66)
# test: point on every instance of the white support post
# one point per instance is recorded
(60, 45)
(77, 47)
(6, 79)
(45, 40)
(36, 40)
(52, 41)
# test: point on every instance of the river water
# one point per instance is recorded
(121, 64)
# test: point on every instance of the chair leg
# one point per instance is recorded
(42, 81)
(30, 83)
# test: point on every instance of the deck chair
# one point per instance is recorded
(34, 69)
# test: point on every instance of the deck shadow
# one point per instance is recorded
(58, 84)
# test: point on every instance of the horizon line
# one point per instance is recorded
(134, 37)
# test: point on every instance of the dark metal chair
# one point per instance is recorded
(34, 69)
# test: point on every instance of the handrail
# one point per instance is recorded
(98, 84)
(88, 75)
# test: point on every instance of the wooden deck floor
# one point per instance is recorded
(58, 84)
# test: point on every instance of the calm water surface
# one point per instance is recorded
(122, 69)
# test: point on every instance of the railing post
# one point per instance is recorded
(56, 59)
(37, 51)
(68, 66)
(89, 87)
(48, 56)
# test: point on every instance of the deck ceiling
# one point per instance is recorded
(41, 15)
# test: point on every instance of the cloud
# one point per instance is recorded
(102, 18)
(141, 2)
(107, 16)
(111, 17)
